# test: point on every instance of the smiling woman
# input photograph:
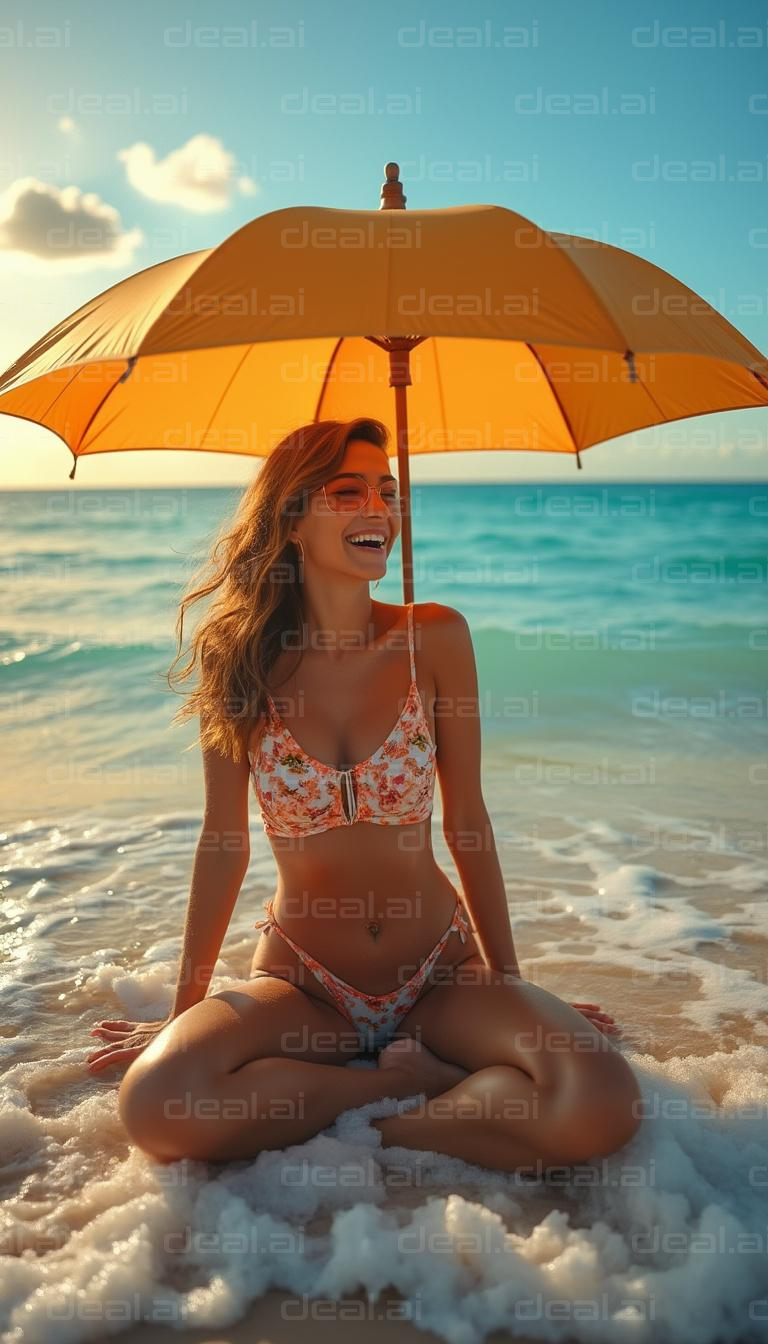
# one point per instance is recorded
(349, 492)
(364, 920)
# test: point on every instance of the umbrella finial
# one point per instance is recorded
(392, 197)
(74, 469)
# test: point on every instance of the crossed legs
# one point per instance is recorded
(542, 1083)
(262, 1067)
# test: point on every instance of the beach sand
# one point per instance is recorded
(692, 1007)
(282, 1318)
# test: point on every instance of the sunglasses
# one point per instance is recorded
(351, 496)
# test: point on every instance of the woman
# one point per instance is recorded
(366, 945)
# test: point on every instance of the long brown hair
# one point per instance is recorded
(254, 564)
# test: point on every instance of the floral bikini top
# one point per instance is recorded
(299, 795)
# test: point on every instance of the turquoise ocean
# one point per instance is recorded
(621, 638)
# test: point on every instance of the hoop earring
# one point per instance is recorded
(300, 549)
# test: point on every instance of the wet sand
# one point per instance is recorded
(282, 1318)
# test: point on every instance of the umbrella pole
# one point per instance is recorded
(400, 378)
(392, 197)
(401, 410)
(399, 350)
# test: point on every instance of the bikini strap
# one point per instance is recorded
(410, 641)
(459, 921)
(268, 919)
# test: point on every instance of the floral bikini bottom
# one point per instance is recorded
(375, 1016)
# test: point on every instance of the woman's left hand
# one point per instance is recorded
(603, 1021)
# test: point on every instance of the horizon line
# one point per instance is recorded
(230, 485)
(605, 480)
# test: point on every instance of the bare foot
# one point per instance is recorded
(414, 1061)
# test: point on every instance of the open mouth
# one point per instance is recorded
(367, 543)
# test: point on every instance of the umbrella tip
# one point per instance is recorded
(392, 197)
(74, 469)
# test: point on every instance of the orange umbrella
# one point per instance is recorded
(508, 337)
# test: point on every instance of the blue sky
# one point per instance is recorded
(527, 106)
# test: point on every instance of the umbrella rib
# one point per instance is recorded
(131, 360)
(560, 406)
(30, 420)
(651, 398)
(229, 383)
(104, 427)
(324, 384)
(211, 418)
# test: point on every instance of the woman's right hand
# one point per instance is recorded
(125, 1040)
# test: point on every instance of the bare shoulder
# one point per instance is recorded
(444, 638)
(442, 622)
(450, 659)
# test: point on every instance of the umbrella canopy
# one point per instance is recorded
(506, 335)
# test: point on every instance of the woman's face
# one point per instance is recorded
(329, 523)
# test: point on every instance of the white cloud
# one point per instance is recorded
(201, 175)
(50, 226)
